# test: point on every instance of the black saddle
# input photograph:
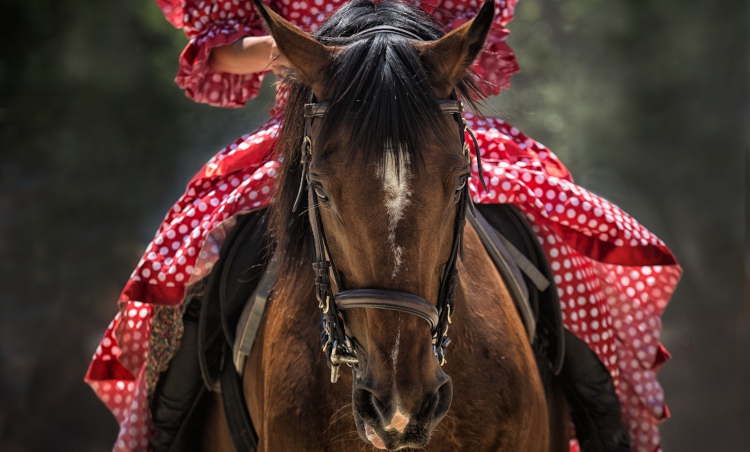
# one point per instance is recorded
(208, 357)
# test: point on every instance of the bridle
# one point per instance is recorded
(337, 345)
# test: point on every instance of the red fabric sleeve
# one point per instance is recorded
(172, 10)
(211, 24)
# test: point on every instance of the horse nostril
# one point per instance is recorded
(428, 405)
(367, 405)
(379, 406)
(434, 407)
(444, 397)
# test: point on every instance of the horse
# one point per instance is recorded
(374, 183)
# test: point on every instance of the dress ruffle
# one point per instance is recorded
(614, 278)
(497, 62)
(173, 11)
(214, 23)
(220, 89)
(211, 24)
(239, 178)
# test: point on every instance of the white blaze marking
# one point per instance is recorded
(396, 187)
(397, 193)
(399, 419)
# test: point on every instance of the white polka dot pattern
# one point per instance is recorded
(115, 363)
(211, 24)
(187, 244)
(185, 248)
(613, 276)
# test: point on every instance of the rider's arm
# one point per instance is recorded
(247, 56)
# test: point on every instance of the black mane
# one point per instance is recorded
(381, 90)
(382, 95)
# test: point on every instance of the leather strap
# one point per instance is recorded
(316, 110)
(388, 299)
(451, 106)
(447, 107)
(241, 428)
(387, 29)
(247, 327)
(526, 266)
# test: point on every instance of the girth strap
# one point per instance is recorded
(252, 313)
(388, 299)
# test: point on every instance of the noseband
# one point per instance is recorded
(336, 344)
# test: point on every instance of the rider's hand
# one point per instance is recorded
(279, 63)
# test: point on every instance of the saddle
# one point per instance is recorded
(223, 318)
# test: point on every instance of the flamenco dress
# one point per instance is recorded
(613, 276)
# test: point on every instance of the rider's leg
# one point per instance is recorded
(592, 398)
(178, 386)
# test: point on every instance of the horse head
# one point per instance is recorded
(387, 172)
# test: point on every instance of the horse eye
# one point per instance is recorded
(461, 182)
(321, 194)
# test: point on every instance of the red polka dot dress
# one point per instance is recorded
(613, 276)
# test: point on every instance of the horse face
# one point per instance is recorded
(389, 223)
(389, 227)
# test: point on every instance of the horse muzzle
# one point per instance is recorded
(383, 420)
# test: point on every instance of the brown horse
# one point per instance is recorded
(387, 176)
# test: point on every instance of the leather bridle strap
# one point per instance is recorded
(388, 299)
(386, 29)
(447, 106)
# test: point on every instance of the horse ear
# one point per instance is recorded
(448, 58)
(309, 58)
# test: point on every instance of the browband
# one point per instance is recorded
(447, 107)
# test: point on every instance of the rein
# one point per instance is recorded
(336, 344)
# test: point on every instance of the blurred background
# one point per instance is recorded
(645, 101)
